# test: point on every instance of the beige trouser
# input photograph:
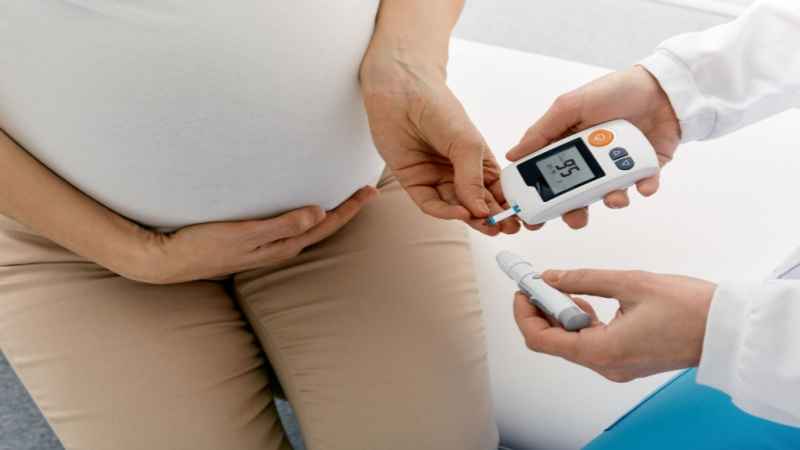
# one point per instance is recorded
(375, 334)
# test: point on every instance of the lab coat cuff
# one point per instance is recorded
(724, 333)
(678, 83)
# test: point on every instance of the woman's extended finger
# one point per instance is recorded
(577, 218)
(336, 218)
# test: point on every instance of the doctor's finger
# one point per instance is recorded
(577, 219)
(648, 186)
(588, 309)
(617, 199)
(534, 227)
(540, 335)
(623, 285)
(562, 117)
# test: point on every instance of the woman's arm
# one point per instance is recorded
(36, 197)
(420, 128)
(418, 29)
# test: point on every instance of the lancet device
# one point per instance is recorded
(576, 172)
(549, 300)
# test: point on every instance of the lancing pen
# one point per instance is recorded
(549, 300)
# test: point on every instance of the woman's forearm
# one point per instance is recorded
(36, 197)
(418, 30)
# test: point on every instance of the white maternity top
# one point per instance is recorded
(174, 112)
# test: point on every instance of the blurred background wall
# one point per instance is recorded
(607, 33)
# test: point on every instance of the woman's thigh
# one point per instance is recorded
(376, 334)
(115, 364)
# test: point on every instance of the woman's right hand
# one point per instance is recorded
(213, 249)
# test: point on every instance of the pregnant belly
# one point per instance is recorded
(180, 113)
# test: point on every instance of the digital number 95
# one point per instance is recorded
(570, 166)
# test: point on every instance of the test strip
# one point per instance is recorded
(514, 210)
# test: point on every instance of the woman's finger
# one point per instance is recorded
(335, 219)
(481, 226)
(448, 194)
(431, 202)
(293, 223)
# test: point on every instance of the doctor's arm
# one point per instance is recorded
(694, 86)
(419, 127)
(743, 338)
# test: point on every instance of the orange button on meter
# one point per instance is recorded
(601, 138)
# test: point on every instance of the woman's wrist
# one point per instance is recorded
(411, 37)
(129, 250)
(395, 56)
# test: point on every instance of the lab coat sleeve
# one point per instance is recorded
(751, 349)
(732, 75)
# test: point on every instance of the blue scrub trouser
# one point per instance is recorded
(685, 415)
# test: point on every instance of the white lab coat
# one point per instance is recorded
(718, 81)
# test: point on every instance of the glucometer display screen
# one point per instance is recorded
(561, 169)
(565, 169)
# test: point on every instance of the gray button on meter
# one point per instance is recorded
(625, 163)
(618, 153)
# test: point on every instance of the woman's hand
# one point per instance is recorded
(425, 136)
(633, 95)
(660, 324)
(213, 249)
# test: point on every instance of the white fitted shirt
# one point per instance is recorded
(718, 81)
(179, 112)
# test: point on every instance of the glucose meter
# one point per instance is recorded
(549, 300)
(576, 171)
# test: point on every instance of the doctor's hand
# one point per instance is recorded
(425, 136)
(220, 248)
(659, 326)
(632, 94)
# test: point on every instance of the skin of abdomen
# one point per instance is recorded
(174, 113)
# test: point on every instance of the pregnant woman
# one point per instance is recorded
(169, 179)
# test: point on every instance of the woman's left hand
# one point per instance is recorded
(425, 136)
